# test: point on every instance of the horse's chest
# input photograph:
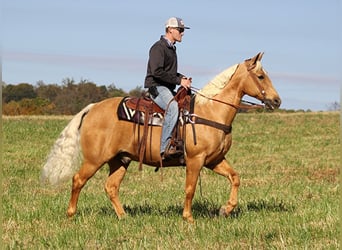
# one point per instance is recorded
(222, 145)
(226, 142)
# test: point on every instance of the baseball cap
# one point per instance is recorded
(175, 22)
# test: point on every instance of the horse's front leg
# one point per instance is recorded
(223, 168)
(193, 168)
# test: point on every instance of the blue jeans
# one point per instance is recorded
(171, 114)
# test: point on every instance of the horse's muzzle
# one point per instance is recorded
(272, 104)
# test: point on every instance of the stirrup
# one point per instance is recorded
(172, 152)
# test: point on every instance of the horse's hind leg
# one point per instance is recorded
(223, 168)
(117, 172)
(86, 171)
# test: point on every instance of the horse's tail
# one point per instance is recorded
(65, 156)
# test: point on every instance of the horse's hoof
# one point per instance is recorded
(71, 212)
(189, 219)
(223, 212)
(122, 216)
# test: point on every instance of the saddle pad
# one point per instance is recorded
(132, 115)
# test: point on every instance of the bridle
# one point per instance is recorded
(250, 105)
(257, 82)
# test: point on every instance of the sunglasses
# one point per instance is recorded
(180, 30)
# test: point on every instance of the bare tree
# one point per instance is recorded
(334, 106)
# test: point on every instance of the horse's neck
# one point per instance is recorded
(222, 107)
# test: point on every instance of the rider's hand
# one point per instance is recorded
(186, 82)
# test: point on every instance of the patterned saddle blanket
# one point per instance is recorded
(129, 112)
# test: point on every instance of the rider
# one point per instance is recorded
(162, 77)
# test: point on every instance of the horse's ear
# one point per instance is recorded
(258, 57)
(252, 62)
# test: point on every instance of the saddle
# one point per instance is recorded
(142, 110)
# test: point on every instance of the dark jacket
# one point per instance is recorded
(162, 66)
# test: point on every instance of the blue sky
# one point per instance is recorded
(107, 42)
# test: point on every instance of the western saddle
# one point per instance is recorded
(146, 105)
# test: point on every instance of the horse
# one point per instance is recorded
(97, 136)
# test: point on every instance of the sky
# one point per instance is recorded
(107, 42)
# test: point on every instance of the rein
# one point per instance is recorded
(251, 105)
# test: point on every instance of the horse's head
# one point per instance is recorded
(259, 85)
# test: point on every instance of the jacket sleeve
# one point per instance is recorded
(157, 68)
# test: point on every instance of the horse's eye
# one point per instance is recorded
(261, 77)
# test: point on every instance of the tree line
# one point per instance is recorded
(70, 97)
(53, 99)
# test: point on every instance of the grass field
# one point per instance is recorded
(289, 166)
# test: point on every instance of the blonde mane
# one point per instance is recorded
(216, 84)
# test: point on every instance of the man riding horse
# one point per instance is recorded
(162, 78)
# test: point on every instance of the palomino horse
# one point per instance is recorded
(102, 138)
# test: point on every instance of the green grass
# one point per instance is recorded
(289, 166)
